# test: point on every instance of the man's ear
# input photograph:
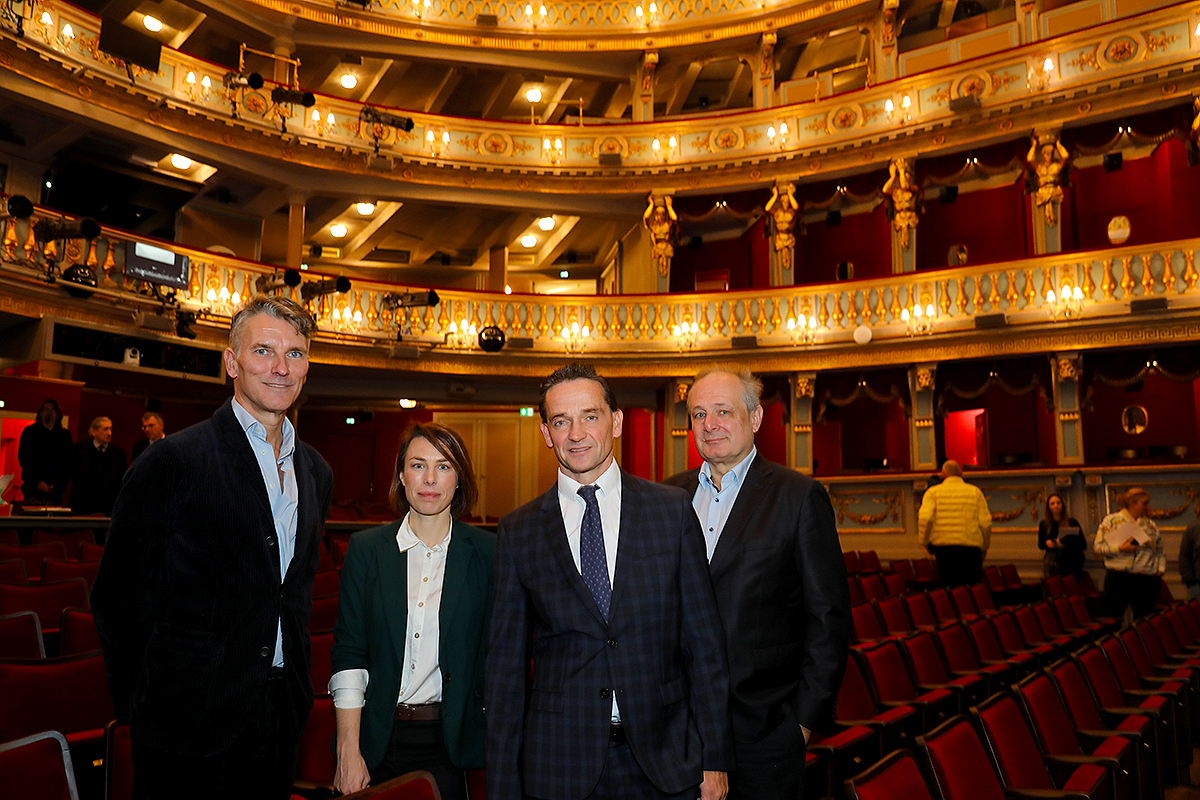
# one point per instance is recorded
(756, 418)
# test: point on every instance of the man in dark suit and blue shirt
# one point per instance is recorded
(780, 583)
(602, 582)
(205, 587)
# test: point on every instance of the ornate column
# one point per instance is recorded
(295, 235)
(663, 226)
(643, 87)
(283, 48)
(799, 432)
(901, 189)
(886, 63)
(675, 425)
(784, 212)
(1066, 369)
(922, 439)
(1027, 20)
(1045, 162)
(764, 75)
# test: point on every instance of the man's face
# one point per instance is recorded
(581, 428)
(47, 415)
(102, 433)
(269, 368)
(721, 427)
(153, 428)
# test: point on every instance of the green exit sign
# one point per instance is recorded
(526, 412)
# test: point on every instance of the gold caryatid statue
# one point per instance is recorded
(662, 222)
(783, 209)
(902, 188)
(1046, 158)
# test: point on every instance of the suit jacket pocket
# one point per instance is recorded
(674, 690)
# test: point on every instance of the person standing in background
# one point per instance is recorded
(99, 467)
(44, 454)
(152, 426)
(1189, 559)
(955, 526)
(1134, 561)
(1061, 536)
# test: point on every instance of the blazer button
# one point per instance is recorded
(604, 693)
(266, 651)
(611, 643)
(445, 677)
(270, 541)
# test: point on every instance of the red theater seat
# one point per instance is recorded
(13, 572)
(38, 766)
(21, 636)
(896, 776)
(47, 599)
(33, 555)
(54, 570)
(67, 694)
(77, 632)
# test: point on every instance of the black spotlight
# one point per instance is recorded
(236, 80)
(183, 324)
(491, 339)
(281, 95)
(265, 284)
(1113, 161)
(19, 207)
(340, 284)
(79, 274)
(48, 230)
(833, 219)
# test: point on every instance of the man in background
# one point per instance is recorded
(152, 426)
(45, 457)
(955, 526)
(780, 580)
(99, 467)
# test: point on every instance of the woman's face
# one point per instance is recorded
(1139, 506)
(429, 479)
(1056, 506)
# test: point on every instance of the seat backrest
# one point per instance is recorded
(923, 657)
(1154, 646)
(70, 539)
(1165, 598)
(1086, 584)
(90, 551)
(77, 632)
(322, 661)
(54, 570)
(1175, 620)
(852, 561)
(1064, 612)
(1010, 744)
(1054, 586)
(418, 785)
(873, 587)
(1138, 654)
(1079, 608)
(895, 584)
(854, 696)
(1120, 662)
(1076, 695)
(1046, 620)
(1011, 579)
(325, 561)
(1007, 632)
(1165, 634)
(926, 570)
(983, 598)
(920, 611)
(315, 761)
(886, 673)
(956, 647)
(984, 638)
(38, 766)
(852, 588)
(870, 561)
(324, 613)
(896, 776)
(865, 623)
(1188, 615)
(993, 578)
(1091, 662)
(325, 583)
(118, 762)
(943, 608)
(891, 612)
(1047, 717)
(21, 636)
(963, 601)
(32, 555)
(1070, 585)
(904, 568)
(47, 599)
(10, 536)
(958, 764)
(67, 694)
(12, 571)
(1027, 624)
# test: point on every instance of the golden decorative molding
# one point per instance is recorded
(1068, 368)
(1029, 499)
(884, 506)
(925, 378)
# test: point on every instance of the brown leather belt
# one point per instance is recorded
(422, 713)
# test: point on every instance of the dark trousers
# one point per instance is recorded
(770, 769)
(623, 779)
(261, 762)
(421, 745)
(958, 564)
(1123, 589)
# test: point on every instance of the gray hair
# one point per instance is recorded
(752, 387)
(278, 307)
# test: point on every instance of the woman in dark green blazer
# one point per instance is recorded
(412, 619)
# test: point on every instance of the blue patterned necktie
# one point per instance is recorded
(593, 564)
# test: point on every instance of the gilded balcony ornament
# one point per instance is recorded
(1069, 369)
(681, 391)
(1107, 283)
(1190, 274)
(783, 210)
(663, 224)
(977, 294)
(902, 189)
(925, 377)
(994, 293)
(880, 307)
(1029, 293)
(1127, 282)
(960, 297)
(944, 302)
(1046, 159)
(1168, 274)
(1147, 277)
(802, 330)
(805, 387)
(9, 245)
(1011, 296)
(1089, 286)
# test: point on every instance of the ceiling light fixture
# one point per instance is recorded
(533, 95)
(152, 23)
(546, 223)
(181, 162)
(349, 80)
(529, 240)
(337, 230)
(365, 209)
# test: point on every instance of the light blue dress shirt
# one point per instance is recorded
(283, 495)
(713, 505)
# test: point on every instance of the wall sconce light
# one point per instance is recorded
(461, 334)
(1041, 73)
(436, 143)
(664, 152)
(346, 320)
(686, 334)
(920, 321)
(45, 25)
(223, 301)
(421, 7)
(553, 150)
(1066, 306)
(904, 114)
(190, 86)
(325, 127)
(575, 337)
(782, 135)
(802, 330)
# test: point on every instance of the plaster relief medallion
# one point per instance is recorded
(756, 174)
(358, 24)
(153, 116)
(814, 165)
(522, 184)
(939, 138)
(693, 181)
(591, 44)
(1085, 107)
(296, 9)
(86, 91)
(845, 118)
(869, 155)
(972, 86)
(631, 185)
(5, 59)
(1169, 88)
(350, 164)
(1121, 49)
(408, 173)
(611, 144)
(496, 144)
(469, 180)
(254, 102)
(727, 138)
(227, 138)
(288, 153)
(577, 185)
(421, 35)
(1005, 124)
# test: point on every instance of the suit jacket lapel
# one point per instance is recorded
(306, 504)
(750, 496)
(233, 440)
(394, 591)
(552, 523)
(458, 564)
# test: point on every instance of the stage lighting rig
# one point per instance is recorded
(313, 289)
(18, 207)
(372, 116)
(48, 230)
(393, 300)
(242, 80)
(183, 324)
(266, 284)
(280, 95)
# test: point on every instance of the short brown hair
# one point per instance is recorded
(575, 372)
(1126, 498)
(278, 307)
(451, 446)
(154, 415)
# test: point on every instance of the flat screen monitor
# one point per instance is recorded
(145, 262)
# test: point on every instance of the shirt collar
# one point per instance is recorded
(407, 540)
(256, 429)
(738, 471)
(609, 482)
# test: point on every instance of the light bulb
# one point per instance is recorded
(654, 8)
(583, 331)
(917, 311)
(546, 223)
(528, 240)
(224, 293)
(1048, 65)
(675, 331)
(445, 137)
(179, 161)
(337, 230)
(329, 119)
(1076, 293)
(566, 332)
(211, 296)
(672, 141)
(316, 116)
(191, 78)
(47, 19)
(929, 311)
(68, 32)
(546, 143)
(357, 315)
(655, 145)
(1050, 296)
(533, 95)
(558, 145)
(905, 101)
(529, 9)
(236, 299)
(889, 106)
(771, 133)
(365, 209)
(791, 324)
(453, 327)
(640, 13)
(574, 327)
(337, 315)
(152, 23)
(206, 82)
(429, 136)
(507, 289)
(349, 80)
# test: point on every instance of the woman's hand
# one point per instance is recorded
(1129, 545)
(351, 774)
(1052, 544)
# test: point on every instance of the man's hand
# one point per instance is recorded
(1129, 545)
(351, 774)
(714, 786)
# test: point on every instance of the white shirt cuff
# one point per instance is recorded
(349, 688)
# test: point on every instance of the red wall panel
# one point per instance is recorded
(862, 239)
(992, 223)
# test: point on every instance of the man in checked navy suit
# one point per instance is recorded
(602, 582)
